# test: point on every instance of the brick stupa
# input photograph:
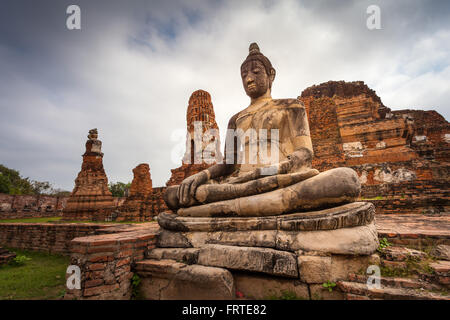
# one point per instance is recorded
(200, 110)
(139, 205)
(91, 198)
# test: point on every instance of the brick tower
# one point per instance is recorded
(91, 198)
(202, 138)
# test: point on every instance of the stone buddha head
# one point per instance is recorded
(257, 73)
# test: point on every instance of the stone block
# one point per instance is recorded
(266, 287)
(184, 255)
(171, 280)
(319, 292)
(263, 260)
(314, 269)
(362, 240)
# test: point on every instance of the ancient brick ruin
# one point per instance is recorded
(30, 206)
(200, 110)
(91, 198)
(140, 204)
(402, 157)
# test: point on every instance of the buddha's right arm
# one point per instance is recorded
(224, 169)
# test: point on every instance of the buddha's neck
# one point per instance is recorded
(261, 99)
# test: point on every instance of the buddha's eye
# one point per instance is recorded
(255, 70)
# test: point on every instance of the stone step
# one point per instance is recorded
(407, 283)
(355, 290)
(395, 253)
(170, 280)
(252, 259)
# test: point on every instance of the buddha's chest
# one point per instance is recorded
(265, 120)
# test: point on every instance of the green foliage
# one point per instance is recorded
(119, 189)
(384, 243)
(135, 282)
(43, 277)
(286, 295)
(12, 183)
(329, 285)
(20, 260)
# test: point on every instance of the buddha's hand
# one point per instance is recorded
(299, 160)
(186, 190)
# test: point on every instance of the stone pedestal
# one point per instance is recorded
(266, 257)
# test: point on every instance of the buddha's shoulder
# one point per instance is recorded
(287, 103)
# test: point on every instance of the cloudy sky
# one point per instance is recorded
(131, 68)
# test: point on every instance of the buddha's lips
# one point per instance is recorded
(252, 86)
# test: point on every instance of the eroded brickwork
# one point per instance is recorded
(202, 142)
(138, 205)
(402, 157)
(91, 198)
(24, 206)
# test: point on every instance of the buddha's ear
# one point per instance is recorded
(272, 74)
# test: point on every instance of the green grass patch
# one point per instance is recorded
(285, 295)
(43, 277)
(32, 220)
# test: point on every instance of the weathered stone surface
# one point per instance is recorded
(358, 240)
(386, 293)
(169, 239)
(263, 260)
(330, 188)
(314, 269)
(441, 251)
(265, 287)
(319, 292)
(90, 198)
(322, 268)
(184, 255)
(171, 280)
(395, 253)
(344, 216)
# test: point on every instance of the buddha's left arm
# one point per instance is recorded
(297, 126)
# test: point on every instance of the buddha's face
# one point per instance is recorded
(255, 79)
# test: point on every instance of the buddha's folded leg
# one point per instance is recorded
(332, 187)
(208, 193)
(226, 191)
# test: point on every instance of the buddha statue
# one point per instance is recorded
(252, 181)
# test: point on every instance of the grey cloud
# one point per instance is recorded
(131, 69)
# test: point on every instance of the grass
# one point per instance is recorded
(285, 295)
(59, 220)
(413, 268)
(41, 278)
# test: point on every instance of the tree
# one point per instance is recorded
(41, 187)
(12, 183)
(119, 189)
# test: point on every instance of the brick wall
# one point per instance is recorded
(24, 206)
(106, 261)
(52, 238)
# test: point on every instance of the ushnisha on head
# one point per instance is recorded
(257, 73)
